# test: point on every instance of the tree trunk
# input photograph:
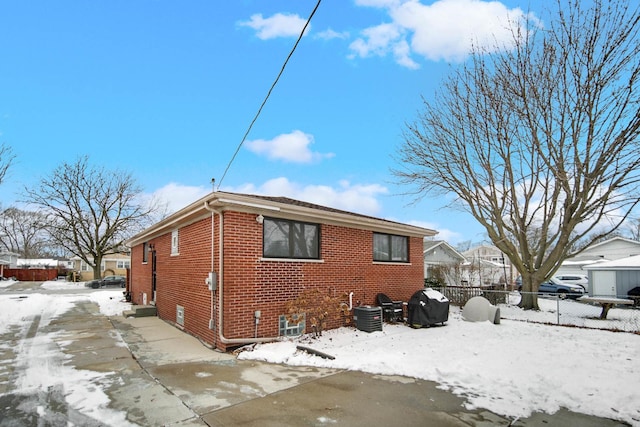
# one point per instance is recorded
(529, 301)
(528, 294)
(97, 266)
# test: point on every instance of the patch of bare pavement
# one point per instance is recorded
(153, 374)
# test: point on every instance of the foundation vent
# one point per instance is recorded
(180, 315)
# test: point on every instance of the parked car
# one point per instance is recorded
(574, 279)
(106, 281)
(556, 287)
(113, 281)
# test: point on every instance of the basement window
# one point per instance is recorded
(288, 329)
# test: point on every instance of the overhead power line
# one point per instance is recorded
(273, 85)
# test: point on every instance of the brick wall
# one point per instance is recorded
(252, 283)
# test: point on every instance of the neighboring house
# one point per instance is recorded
(59, 263)
(442, 262)
(37, 263)
(65, 264)
(486, 265)
(224, 267)
(112, 265)
(614, 278)
(608, 250)
(9, 259)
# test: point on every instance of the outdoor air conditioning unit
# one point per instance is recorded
(368, 319)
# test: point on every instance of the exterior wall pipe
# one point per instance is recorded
(221, 336)
(213, 214)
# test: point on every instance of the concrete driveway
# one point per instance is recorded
(155, 375)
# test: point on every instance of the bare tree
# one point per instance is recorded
(633, 229)
(6, 160)
(24, 232)
(539, 141)
(91, 211)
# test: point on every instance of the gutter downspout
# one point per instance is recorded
(222, 338)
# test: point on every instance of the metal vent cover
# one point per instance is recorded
(180, 315)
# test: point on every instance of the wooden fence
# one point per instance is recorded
(31, 274)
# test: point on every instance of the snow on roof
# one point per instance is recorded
(614, 239)
(584, 262)
(33, 262)
(629, 263)
(429, 245)
(493, 263)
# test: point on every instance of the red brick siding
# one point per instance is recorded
(140, 276)
(252, 284)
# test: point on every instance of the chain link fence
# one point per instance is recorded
(554, 309)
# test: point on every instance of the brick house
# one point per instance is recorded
(223, 268)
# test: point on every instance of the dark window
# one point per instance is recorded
(290, 239)
(387, 247)
(145, 251)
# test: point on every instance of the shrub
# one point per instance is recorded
(318, 308)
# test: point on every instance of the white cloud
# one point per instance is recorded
(444, 30)
(377, 40)
(289, 147)
(360, 198)
(330, 34)
(449, 236)
(378, 3)
(278, 25)
(177, 196)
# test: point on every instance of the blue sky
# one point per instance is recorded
(166, 90)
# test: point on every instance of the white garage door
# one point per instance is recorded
(604, 283)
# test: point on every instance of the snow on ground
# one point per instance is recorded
(6, 283)
(62, 284)
(41, 362)
(110, 301)
(19, 309)
(573, 313)
(514, 368)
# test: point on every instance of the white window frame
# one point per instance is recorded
(123, 264)
(175, 243)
